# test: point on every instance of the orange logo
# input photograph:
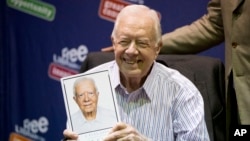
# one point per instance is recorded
(18, 137)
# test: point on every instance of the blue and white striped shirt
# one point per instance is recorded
(168, 107)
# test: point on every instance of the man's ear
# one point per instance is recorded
(158, 47)
(112, 40)
(97, 93)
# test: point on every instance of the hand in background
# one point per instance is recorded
(107, 49)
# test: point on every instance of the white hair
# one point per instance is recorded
(83, 79)
(135, 9)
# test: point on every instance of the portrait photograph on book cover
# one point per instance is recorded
(90, 103)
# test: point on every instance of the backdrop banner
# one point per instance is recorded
(44, 40)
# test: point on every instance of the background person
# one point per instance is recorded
(226, 20)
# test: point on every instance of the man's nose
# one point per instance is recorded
(132, 48)
(86, 97)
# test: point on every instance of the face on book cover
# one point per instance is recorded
(86, 97)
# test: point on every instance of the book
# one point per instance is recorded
(90, 104)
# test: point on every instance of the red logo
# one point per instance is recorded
(57, 71)
(109, 9)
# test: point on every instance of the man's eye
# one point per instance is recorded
(142, 44)
(90, 93)
(123, 43)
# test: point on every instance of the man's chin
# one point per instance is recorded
(132, 73)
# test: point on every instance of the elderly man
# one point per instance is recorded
(90, 117)
(154, 101)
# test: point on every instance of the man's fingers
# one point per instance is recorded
(119, 126)
(70, 135)
(116, 132)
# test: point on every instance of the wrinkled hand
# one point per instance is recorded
(124, 132)
(107, 49)
(71, 136)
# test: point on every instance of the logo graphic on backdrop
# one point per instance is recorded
(109, 9)
(68, 63)
(137, 1)
(36, 8)
(17, 137)
(30, 130)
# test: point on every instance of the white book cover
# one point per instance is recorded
(90, 104)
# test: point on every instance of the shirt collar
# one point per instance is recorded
(115, 75)
(147, 86)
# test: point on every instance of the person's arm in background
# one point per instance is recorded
(202, 34)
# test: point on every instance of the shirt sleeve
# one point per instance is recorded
(189, 123)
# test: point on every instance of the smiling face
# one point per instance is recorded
(135, 44)
(86, 98)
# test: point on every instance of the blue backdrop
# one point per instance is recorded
(44, 40)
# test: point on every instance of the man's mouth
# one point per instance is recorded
(87, 104)
(131, 61)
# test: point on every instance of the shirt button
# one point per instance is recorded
(234, 44)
